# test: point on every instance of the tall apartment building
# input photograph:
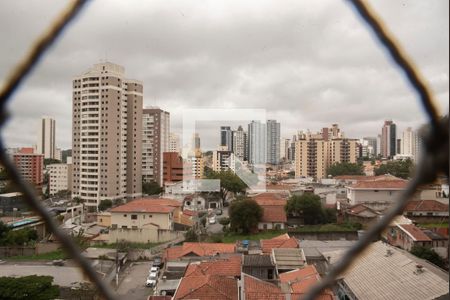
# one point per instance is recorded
(106, 135)
(257, 143)
(60, 178)
(226, 137)
(240, 144)
(194, 165)
(313, 156)
(174, 142)
(411, 143)
(273, 142)
(388, 139)
(30, 165)
(172, 167)
(197, 144)
(155, 141)
(46, 138)
(223, 160)
(372, 146)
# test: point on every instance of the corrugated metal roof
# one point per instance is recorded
(376, 275)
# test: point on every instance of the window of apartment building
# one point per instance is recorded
(133, 217)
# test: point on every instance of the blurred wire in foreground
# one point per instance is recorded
(434, 161)
(12, 83)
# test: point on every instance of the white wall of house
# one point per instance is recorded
(269, 226)
(365, 196)
(139, 220)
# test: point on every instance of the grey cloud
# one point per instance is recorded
(309, 63)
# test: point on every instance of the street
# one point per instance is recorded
(133, 285)
(217, 228)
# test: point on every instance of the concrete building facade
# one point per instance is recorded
(155, 141)
(388, 139)
(240, 144)
(273, 142)
(106, 135)
(46, 138)
(60, 178)
(30, 165)
(257, 143)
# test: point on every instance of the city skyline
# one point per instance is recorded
(259, 61)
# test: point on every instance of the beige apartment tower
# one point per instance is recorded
(46, 138)
(313, 156)
(106, 135)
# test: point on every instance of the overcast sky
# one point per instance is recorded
(309, 63)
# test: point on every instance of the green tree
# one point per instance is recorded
(105, 204)
(398, 168)
(245, 215)
(224, 221)
(229, 183)
(49, 161)
(307, 206)
(428, 254)
(20, 237)
(151, 188)
(28, 287)
(190, 236)
(345, 168)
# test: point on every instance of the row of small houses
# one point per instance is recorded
(285, 268)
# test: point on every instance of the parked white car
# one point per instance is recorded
(212, 220)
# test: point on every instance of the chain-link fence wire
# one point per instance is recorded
(434, 161)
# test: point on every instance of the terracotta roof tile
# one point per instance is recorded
(256, 289)
(301, 280)
(381, 184)
(230, 267)
(417, 234)
(207, 287)
(198, 249)
(146, 205)
(275, 214)
(426, 205)
(270, 199)
(279, 242)
(190, 213)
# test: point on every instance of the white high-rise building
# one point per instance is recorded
(284, 148)
(46, 138)
(257, 143)
(155, 141)
(106, 135)
(240, 143)
(408, 142)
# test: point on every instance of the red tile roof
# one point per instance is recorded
(380, 185)
(190, 213)
(274, 214)
(301, 280)
(207, 287)
(359, 208)
(283, 241)
(426, 205)
(146, 205)
(415, 233)
(270, 199)
(256, 289)
(230, 267)
(198, 249)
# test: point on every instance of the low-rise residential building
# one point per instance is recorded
(259, 266)
(299, 281)
(282, 241)
(229, 267)
(274, 214)
(386, 272)
(141, 213)
(11, 203)
(377, 194)
(288, 259)
(406, 236)
(426, 210)
(197, 251)
(223, 160)
(205, 287)
(361, 214)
